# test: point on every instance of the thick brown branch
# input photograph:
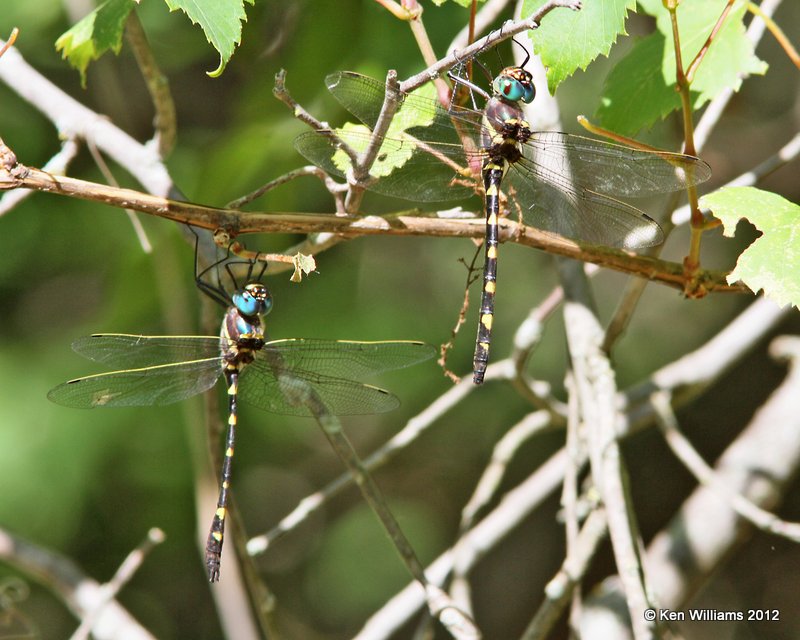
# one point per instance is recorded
(409, 223)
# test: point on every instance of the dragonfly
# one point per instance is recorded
(557, 182)
(275, 375)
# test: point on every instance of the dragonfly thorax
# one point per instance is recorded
(505, 128)
(514, 84)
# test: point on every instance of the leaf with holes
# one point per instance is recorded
(772, 262)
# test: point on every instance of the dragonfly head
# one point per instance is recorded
(253, 300)
(514, 84)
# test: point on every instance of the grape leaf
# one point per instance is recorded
(220, 20)
(772, 262)
(95, 34)
(640, 89)
(569, 40)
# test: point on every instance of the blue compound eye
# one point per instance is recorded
(515, 84)
(253, 300)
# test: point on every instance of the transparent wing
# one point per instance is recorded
(580, 214)
(610, 169)
(135, 352)
(275, 381)
(282, 392)
(405, 167)
(347, 358)
(363, 97)
(157, 385)
(423, 156)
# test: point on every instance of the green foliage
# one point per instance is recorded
(102, 29)
(221, 21)
(590, 32)
(98, 32)
(772, 262)
(640, 90)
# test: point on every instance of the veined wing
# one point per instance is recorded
(581, 215)
(405, 167)
(607, 168)
(346, 358)
(285, 370)
(156, 385)
(422, 156)
(135, 352)
(363, 97)
(283, 392)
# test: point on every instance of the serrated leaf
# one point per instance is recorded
(569, 40)
(220, 20)
(645, 78)
(772, 262)
(95, 34)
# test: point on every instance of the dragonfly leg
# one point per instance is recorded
(493, 174)
(215, 535)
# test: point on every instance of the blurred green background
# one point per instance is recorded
(89, 484)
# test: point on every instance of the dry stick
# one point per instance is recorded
(576, 461)
(14, 175)
(705, 475)
(597, 391)
(67, 581)
(417, 426)
(486, 16)
(687, 377)
(57, 165)
(122, 576)
(707, 529)
(440, 605)
(564, 584)
(157, 85)
(485, 491)
(141, 234)
(74, 121)
(509, 29)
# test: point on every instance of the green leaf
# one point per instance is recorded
(569, 40)
(772, 262)
(95, 34)
(397, 148)
(220, 20)
(640, 90)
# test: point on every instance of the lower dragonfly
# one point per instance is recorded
(274, 375)
(560, 183)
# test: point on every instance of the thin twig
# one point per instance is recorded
(440, 604)
(141, 234)
(705, 475)
(157, 85)
(561, 587)
(122, 576)
(67, 581)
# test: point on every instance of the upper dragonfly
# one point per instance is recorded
(560, 183)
